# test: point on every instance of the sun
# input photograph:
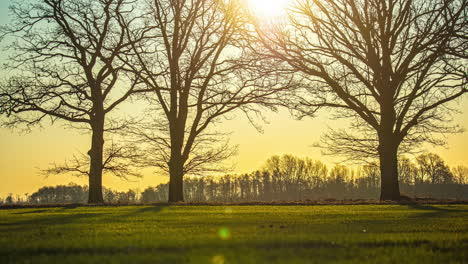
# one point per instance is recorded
(268, 9)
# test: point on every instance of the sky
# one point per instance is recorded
(23, 155)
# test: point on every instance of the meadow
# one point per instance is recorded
(222, 234)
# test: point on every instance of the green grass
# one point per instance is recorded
(236, 234)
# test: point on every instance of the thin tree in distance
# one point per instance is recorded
(199, 73)
(392, 66)
(65, 65)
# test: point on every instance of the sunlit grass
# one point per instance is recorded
(236, 234)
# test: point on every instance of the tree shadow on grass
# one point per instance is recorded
(154, 209)
(134, 214)
(35, 222)
(32, 221)
(429, 207)
(33, 212)
(150, 209)
(71, 206)
(430, 211)
(271, 246)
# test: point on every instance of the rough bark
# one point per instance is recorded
(388, 156)
(176, 193)
(389, 189)
(388, 148)
(96, 160)
(176, 162)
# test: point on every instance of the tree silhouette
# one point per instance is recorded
(432, 169)
(389, 65)
(196, 67)
(65, 66)
(317, 183)
(117, 161)
(338, 183)
(460, 174)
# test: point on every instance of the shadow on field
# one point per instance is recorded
(32, 212)
(228, 246)
(434, 211)
(429, 207)
(153, 209)
(150, 209)
(48, 217)
(33, 223)
(44, 210)
(71, 206)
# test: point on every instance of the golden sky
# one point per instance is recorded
(22, 155)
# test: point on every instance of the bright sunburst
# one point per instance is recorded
(268, 8)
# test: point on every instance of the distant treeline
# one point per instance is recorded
(71, 193)
(286, 178)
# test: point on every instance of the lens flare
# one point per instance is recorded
(224, 233)
(218, 259)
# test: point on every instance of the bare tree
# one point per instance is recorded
(389, 65)
(196, 67)
(64, 65)
(117, 160)
(460, 174)
(433, 169)
(406, 170)
(294, 174)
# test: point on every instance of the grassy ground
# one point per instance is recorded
(236, 234)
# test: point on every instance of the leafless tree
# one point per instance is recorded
(460, 174)
(433, 169)
(117, 160)
(199, 73)
(407, 170)
(65, 65)
(389, 65)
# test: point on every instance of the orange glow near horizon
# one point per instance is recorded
(22, 155)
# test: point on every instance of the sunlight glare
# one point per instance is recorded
(268, 9)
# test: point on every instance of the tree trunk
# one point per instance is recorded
(96, 157)
(388, 144)
(176, 162)
(389, 187)
(176, 184)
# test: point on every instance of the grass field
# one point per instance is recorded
(236, 234)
